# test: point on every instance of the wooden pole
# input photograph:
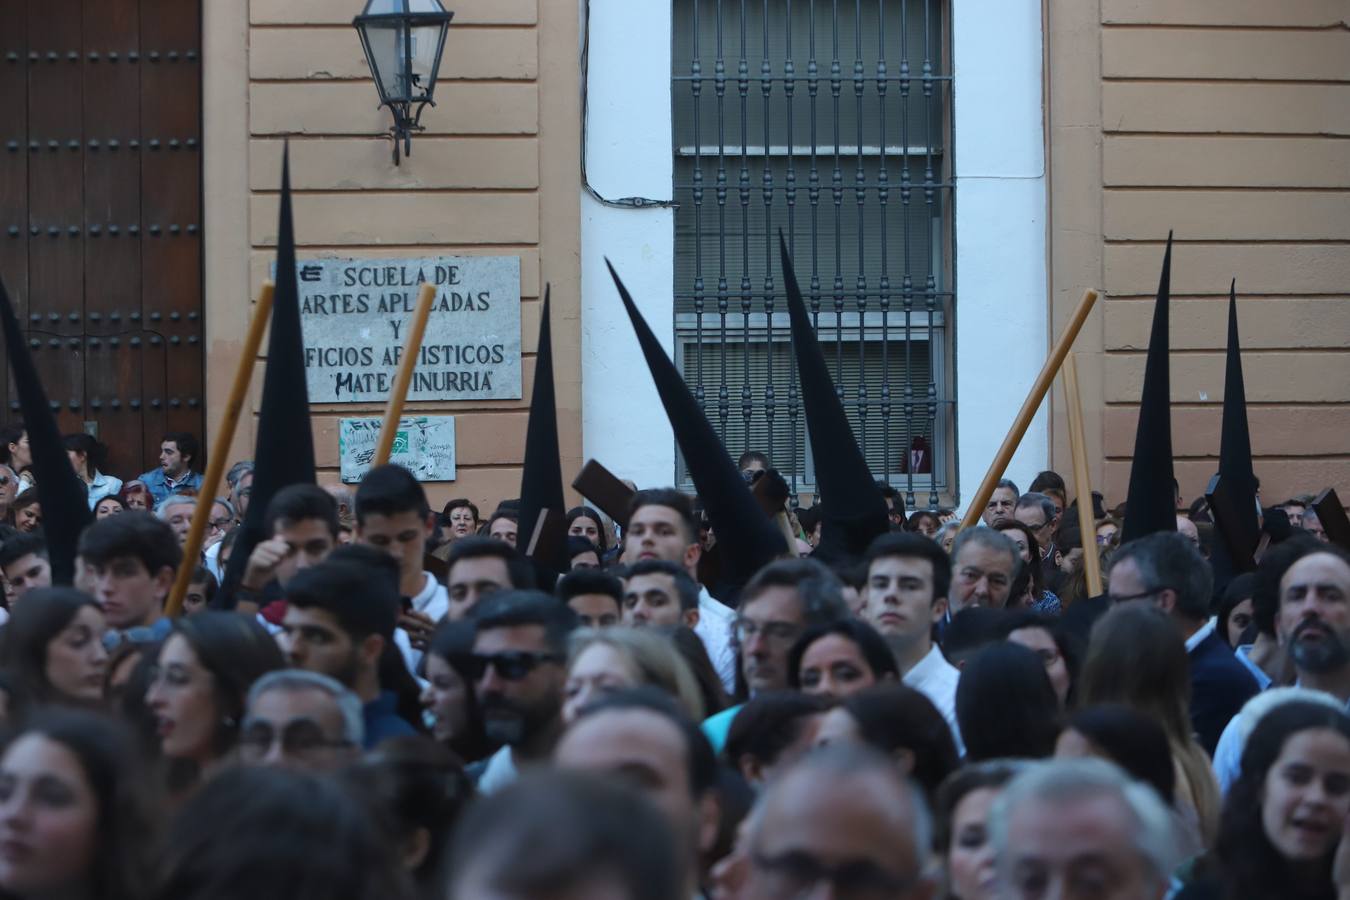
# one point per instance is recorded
(394, 410)
(220, 449)
(1082, 480)
(1029, 407)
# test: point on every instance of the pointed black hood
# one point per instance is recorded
(1150, 504)
(747, 538)
(541, 482)
(854, 510)
(1235, 463)
(285, 450)
(65, 500)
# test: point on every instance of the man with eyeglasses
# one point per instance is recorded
(340, 616)
(777, 605)
(985, 563)
(301, 720)
(842, 822)
(1166, 570)
(519, 667)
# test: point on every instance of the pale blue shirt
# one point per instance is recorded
(102, 486)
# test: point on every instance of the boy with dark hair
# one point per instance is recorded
(131, 560)
(661, 525)
(908, 579)
(519, 667)
(504, 525)
(179, 456)
(595, 596)
(478, 566)
(25, 563)
(392, 515)
(657, 592)
(302, 522)
(340, 616)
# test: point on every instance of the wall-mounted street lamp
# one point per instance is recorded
(403, 40)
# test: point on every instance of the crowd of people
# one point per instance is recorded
(396, 702)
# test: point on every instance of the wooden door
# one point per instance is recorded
(100, 213)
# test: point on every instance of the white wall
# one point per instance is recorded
(1001, 299)
(1001, 312)
(629, 154)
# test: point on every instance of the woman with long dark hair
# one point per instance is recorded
(1136, 657)
(53, 647)
(1283, 818)
(1037, 597)
(76, 812)
(201, 680)
(901, 723)
(1006, 706)
(448, 698)
(582, 521)
(87, 457)
(839, 659)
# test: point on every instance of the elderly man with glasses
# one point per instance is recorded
(301, 720)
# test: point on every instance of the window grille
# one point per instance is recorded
(829, 120)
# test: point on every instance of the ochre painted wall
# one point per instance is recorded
(495, 173)
(1226, 121)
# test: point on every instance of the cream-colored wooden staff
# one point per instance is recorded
(220, 449)
(394, 410)
(1029, 407)
(1082, 480)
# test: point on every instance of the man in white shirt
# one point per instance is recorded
(392, 515)
(661, 526)
(905, 595)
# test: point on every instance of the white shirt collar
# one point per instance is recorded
(1204, 632)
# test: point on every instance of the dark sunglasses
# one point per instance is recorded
(512, 665)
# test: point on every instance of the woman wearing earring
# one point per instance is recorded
(200, 683)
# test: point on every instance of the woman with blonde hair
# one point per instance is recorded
(1137, 658)
(601, 661)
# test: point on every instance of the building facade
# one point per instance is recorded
(950, 174)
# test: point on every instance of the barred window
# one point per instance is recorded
(829, 120)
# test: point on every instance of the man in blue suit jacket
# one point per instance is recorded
(1166, 570)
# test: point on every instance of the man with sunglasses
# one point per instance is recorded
(1166, 570)
(842, 815)
(518, 667)
(340, 616)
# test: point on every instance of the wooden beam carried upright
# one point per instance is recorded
(1039, 388)
(393, 411)
(220, 450)
(1082, 479)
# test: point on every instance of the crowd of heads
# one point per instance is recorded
(394, 702)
